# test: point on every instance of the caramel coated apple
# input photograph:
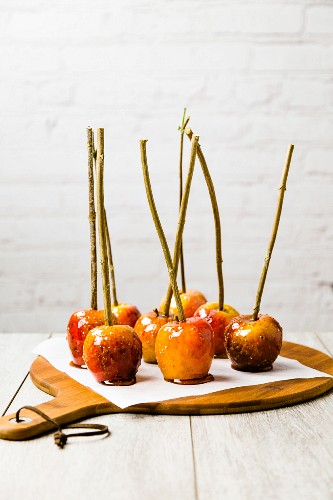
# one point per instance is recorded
(126, 314)
(147, 328)
(218, 320)
(191, 300)
(80, 323)
(113, 354)
(184, 350)
(253, 345)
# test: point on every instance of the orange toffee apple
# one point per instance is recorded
(82, 321)
(184, 347)
(147, 327)
(112, 353)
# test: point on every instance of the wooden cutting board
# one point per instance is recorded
(73, 401)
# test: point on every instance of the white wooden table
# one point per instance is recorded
(277, 454)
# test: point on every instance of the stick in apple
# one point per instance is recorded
(218, 314)
(111, 352)
(84, 320)
(253, 342)
(184, 348)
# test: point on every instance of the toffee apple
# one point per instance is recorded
(112, 353)
(82, 321)
(218, 314)
(253, 345)
(147, 327)
(218, 320)
(253, 342)
(184, 350)
(184, 347)
(190, 299)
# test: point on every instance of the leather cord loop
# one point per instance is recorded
(60, 438)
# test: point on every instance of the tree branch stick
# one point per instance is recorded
(182, 129)
(92, 220)
(110, 260)
(181, 220)
(101, 227)
(217, 222)
(159, 229)
(282, 190)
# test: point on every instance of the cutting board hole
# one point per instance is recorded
(23, 420)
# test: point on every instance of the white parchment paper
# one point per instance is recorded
(151, 387)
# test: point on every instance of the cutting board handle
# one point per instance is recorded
(71, 402)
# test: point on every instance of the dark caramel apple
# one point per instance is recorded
(253, 345)
(185, 350)
(191, 300)
(126, 314)
(147, 327)
(113, 354)
(218, 320)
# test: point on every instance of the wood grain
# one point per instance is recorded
(145, 457)
(284, 453)
(73, 401)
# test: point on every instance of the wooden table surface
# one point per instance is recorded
(277, 454)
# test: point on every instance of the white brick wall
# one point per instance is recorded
(255, 76)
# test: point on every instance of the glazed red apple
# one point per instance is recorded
(147, 328)
(185, 350)
(218, 320)
(78, 327)
(191, 300)
(126, 314)
(113, 354)
(253, 345)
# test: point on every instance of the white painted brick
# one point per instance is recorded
(319, 19)
(257, 18)
(304, 94)
(293, 57)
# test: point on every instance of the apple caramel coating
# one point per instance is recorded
(253, 345)
(126, 314)
(185, 350)
(80, 323)
(113, 353)
(218, 320)
(147, 328)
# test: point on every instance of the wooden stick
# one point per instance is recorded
(217, 221)
(111, 265)
(182, 129)
(101, 227)
(282, 189)
(92, 220)
(181, 220)
(159, 229)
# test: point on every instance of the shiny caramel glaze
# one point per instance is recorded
(191, 300)
(112, 353)
(147, 327)
(184, 350)
(253, 345)
(218, 320)
(126, 314)
(77, 329)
